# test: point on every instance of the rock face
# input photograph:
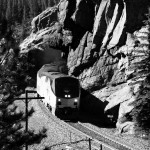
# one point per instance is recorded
(105, 44)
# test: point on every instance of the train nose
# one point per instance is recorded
(67, 111)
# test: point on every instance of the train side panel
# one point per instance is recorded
(44, 89)
(61, 92)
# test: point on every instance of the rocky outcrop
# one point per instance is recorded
(106, 46)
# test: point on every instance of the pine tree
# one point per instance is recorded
(9, 11)
(141, 111)
(13, 75)
(19, 11)
(50, 3)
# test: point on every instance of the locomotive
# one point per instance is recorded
(61, 92)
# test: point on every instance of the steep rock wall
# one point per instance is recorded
(106, 46)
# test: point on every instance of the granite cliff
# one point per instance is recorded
(106, 45)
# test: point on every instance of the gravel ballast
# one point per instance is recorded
(58, 137)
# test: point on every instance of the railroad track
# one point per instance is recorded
(96, 140)
(100, 139)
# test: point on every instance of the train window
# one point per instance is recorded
(55, 73)
(67, 86)
(53, 86)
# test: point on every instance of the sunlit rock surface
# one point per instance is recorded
(105, 44)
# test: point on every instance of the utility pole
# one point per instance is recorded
(90, 144)
(26, 108)
(26, 112)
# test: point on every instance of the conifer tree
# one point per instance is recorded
(51, 3)
(9, 11)
(141, 111)
(13, 75)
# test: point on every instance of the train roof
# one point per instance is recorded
(53, 75)
(51, 72)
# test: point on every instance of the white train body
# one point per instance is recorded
(61, 92)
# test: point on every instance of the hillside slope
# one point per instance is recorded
(106, 45)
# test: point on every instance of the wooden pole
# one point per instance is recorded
(26, 129)
(90, 144)
(101, 147)
(26, 108)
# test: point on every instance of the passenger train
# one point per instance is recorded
(61, 92)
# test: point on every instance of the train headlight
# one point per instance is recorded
(75, 100)
(59, 101)
(68, 96)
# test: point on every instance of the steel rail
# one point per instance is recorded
(100, 143)
(104, 139)
(97, 138)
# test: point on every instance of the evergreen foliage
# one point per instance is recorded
(13, 10)
(19, 13)
(141, 112)
(13, 80)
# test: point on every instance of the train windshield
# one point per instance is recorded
(67, 87)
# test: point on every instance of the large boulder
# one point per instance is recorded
(106, 45)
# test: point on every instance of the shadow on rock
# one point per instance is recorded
(92, 111)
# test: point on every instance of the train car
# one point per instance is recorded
(61, 92)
